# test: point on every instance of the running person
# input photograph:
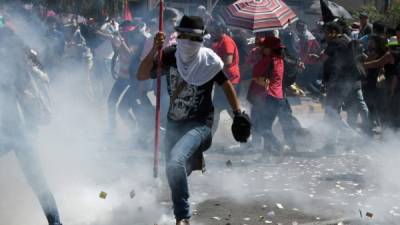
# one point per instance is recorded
(191, 71)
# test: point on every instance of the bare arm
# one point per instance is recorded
(147, 64)
(228, 62)
(386, 59)
(113, 62)
(231, 95)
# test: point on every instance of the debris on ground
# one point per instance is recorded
(228, 164)
(216, 218)
(270, 214)
(279, 205)
(103, 195)
(132, 194)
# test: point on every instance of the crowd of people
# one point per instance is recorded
(353, 69)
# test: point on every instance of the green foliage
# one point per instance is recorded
(391, 17)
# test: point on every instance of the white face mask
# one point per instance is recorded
(187, 49)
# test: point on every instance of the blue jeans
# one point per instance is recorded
(355, 105)
(184, 142)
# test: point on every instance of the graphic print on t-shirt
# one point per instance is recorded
(187, 101)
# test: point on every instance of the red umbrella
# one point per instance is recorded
(259, 15)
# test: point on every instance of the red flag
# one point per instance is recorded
(127, 11)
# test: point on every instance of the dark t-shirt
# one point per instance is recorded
(340, 66)
(194, 103)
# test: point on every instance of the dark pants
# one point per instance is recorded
(374, 98)
(355, 105)
(183, 142)
(337, 95)
(264, 112)
(116, 91)
(140, 106)
(290, 125)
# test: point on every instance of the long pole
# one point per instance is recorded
(158, 94)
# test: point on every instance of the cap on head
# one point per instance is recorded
(363, 15)
(192, 25)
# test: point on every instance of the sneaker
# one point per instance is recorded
(183, 222)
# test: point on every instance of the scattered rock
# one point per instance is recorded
(270, 214)
(216, 218)
(103, 195)
(132, 194)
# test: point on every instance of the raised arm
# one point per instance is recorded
(147, 64)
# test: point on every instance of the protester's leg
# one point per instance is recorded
(333, 103)
(370, 100)
(272, 107)
(289, 124)
(29, 162)
(362, 107)
(127, 102)
(338, 129)
(145, 113)
(116, 91)
(256, 113)
(177, 167)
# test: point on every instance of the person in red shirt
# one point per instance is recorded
(226, 49)
(266, 91)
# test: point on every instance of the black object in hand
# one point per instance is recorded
(241, 127)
